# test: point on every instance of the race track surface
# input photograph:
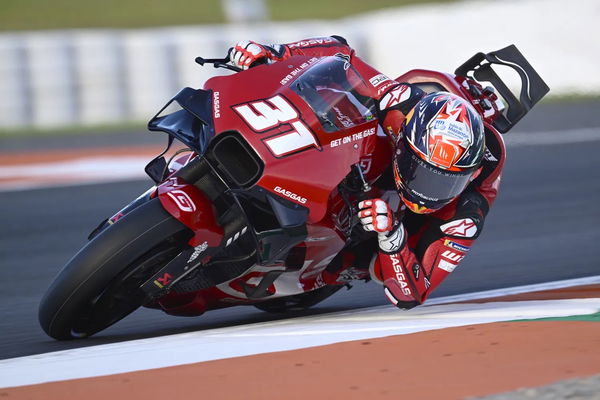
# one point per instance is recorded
(543, 227)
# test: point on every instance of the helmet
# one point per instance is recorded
(438, 151)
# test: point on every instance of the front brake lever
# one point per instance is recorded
(218, 63)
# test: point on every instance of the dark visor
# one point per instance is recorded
(425, 184)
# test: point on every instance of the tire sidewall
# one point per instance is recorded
(90, 271)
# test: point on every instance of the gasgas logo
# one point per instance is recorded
(289, 194)
(400, 275)
(216, 105)
(182, 200)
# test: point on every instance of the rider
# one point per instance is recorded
(446, 170)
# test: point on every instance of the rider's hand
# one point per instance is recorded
(376, 215)
(246, 53)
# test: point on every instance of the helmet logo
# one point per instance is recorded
(453, 111)
(450, 133)
(453, 121)
(444, 153)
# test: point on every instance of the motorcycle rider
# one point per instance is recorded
(446, 169)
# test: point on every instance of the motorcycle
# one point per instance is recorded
(260, 201)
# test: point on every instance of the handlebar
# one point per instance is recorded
(218, 62)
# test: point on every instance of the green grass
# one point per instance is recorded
(588, 318)
(331, 9)
(61, 14)
(134, 126)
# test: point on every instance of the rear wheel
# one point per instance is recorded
(100, 284)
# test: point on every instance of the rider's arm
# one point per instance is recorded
(395, 104)
(411, 269)
(411, 266)
(318, 47)
(246, 54)
(393, 99)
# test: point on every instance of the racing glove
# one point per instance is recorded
(246, 54)
(399, 287)
(376, 216)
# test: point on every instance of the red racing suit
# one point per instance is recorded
(428, 246)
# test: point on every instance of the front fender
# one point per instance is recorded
(190, 206)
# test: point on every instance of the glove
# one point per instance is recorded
(246, 53)
(375, 215)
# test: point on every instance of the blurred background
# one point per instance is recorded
(87, 63)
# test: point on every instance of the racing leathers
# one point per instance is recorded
(416, 252)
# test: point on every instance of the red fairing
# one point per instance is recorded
(293, 138)
(190, 206)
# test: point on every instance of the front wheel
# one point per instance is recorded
(100, 284)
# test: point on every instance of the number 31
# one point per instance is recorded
(264, 115)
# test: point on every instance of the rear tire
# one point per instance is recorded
(100, 284)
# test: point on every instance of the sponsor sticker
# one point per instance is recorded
(456, 246)
(378, 80)
(452, 256)
(163, 280)
(464, 227)
(396, 96)
(352, 138)
(446, 265)
(289, 194)
(444, 154)
(286, 79)
(397, 265)
(415, 270)
(216, 105)
(197, 251)
(312, 42)
(182, 200)
(459, 130)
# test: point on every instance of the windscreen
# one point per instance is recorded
(336, 93)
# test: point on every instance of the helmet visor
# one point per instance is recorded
(424, 184)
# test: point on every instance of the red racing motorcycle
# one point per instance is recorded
(261, 199)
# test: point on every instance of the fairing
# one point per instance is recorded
(266, 109)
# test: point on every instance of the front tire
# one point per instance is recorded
(100, 284)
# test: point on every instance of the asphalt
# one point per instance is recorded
(543, 227)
